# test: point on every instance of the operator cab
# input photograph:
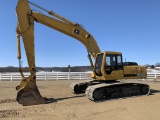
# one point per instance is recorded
(108, 62)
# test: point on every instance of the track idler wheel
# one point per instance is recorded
(28, 93)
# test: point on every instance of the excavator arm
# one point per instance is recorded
(28, 93)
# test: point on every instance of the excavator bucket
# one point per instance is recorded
(28, 93)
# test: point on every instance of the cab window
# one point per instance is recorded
(113, 62)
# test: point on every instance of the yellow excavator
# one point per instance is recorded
(107, 68)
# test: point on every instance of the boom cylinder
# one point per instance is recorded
(60, 17)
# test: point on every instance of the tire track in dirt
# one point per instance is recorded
(24, 112)
(111, 113)
(7, 101)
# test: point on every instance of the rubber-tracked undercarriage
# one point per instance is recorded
(100, 91)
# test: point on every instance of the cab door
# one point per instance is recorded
(98, 64)
(113, 67)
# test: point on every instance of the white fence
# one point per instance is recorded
(48, 76)
(153, 75)
(61, 76)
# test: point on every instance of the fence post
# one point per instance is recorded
(57, 76)
(155, 75)
(80, 76)
(45, 77)
(68, 75)
(11, 77)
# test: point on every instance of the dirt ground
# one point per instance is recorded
(67, 106)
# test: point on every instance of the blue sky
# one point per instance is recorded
(128, 26)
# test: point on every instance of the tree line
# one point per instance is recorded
(59, 69)
(48, 69)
